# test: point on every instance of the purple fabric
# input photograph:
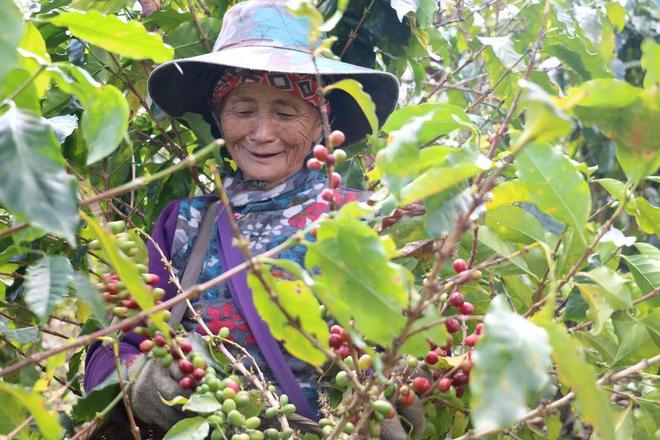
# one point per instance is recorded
(242, 295)
(100, 359)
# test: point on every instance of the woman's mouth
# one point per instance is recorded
(264, 155)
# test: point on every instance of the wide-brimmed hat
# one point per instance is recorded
(264, 35)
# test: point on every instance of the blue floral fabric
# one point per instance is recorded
(266, 218)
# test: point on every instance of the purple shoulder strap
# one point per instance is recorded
(242, 296)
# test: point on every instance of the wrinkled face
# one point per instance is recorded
(268, 131)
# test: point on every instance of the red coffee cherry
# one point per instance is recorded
(456, 299)
(460, 265)
(328, 195)
(313, 164)
(431, 358)
(452, 325)
(233, 385)
(344, 351)
(459, 390)
(335, 340)
(444, 384)
(460, 378)
(466, 308)
(470, 340)
(336, 138)
(186, 366)
(466, 365)
(407, 399)
(198, 374)
(187, 382)
(335, 181)
(421, 385)
(337, 329)
(320, 152)
(186, 346)
(159, 339)
(479, 329)
(146, 345)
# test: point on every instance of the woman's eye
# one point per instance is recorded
(244, 113)
(285, 115)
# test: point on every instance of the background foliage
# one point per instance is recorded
(527, 129)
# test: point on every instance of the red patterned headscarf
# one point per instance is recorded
(301, 85)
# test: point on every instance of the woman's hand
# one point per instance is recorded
(149, 380)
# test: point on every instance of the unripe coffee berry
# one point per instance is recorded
(313, 164)
(233, 385)
(199, 362)
(456, 299)
(466, 308)
(224, 332)
(460, 265)
(452, 325)
(320, 152)
(339, 155)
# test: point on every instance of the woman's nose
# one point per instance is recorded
(263, 130)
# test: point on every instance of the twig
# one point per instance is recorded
(354, 33)
(200, 31)
(135, 431)
(13, 229)
(45, 330)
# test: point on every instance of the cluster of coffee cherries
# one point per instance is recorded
(235, 417)
(444, 379)
(324, 156)
(340, 340)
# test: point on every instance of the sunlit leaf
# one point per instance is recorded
(362, 98)
(444, 119)
(11, 23)
(194, 428)
(46, 419)
(46, 284)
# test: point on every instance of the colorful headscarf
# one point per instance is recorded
(301, 85)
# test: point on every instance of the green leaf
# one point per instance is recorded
(418, 345)
(91, 297)
(46, 284)
(11, 23)
(503, 49)
(616, 14)
(363, 99)
(645, 270)
(442, 210)
(647, 216)
(202, 403)
(576, 373)
(459, 166)
(46, 419)
(511, 366)
(556, 187)
(357, 280)
(544, 120)
(35, 184)
(128, 273)
(599, 308)
(298, 300)
(502, 248)
(27, 99)
(651, 62)
(574, 53)
(22, 335)
(194, 428)
(33, 50)
(128, 39)
(185, 38)
(104, 123)
(444, 119)
(508, 193)
(12, 414)
(515, 224)
(422, 9)
(636, 341)
(615, 287)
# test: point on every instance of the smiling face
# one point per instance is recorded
(268, 131)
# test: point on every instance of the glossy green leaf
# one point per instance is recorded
(442, 210)
(128, 273)
(616, 14)
(202, 403)
(86, 292)
(20, 335)
(418, 345)
(599, 308)
(128, 39)
(647, 216)
(363, 99)
(357, 280)
(46, 284)
(651, 62)
(11, 23)
(185, 38)
(576, 373)
(614, 286)
(645, 270)
(500, 247)
(511, 366)
(12, 414)
(194, 428)
(507, 193)
(423, 10)
(556, 187)
(35, 183)
(544, 120)
(46, 419)
(33, 53)
(515, 224)
(298, 300)
(14, 81)
(503, 49)
(444, 119)
(635, 339)
(573, 52)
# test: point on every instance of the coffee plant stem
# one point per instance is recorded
(135, 431)
(186, 162)
(355, 32)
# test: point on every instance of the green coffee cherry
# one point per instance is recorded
(242, 398)
(288, 409)
(382, 407)
(271, 412)
(228, 405)
(325, 422)
(349, 428)
(272, 434)
(327, 430)
(375, 429)
(253, 423)
(224, 332)
(203, 389)
(229, 393)
(341, 379)
(389, 390)
(287, 433)
(217, 434)
(284, 399)
(166, 360)
(236, 419)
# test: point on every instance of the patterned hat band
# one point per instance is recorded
(301, 85)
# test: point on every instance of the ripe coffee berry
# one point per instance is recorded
(337, 329)
(233, 385)
(407, 399)
(186, 346)
(335, 181)
(186, 366)
(313, 164)
(460, 265)
(459, 390)
(336, 138)
(460, 378)
(328, 195)
(344, 351)
(466, 308)
(471, 340)
(452, 325)
(431, 358)
(146, 345)
(421, 385)
(159, 339)
(198, 374)
(320, 153)
(456, 299)
(444, 384)
(187, 382)
(466, 365)
(479, 329)
(335, 341)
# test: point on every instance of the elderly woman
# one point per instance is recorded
(257, 90)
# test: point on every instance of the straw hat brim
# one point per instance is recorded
(184, 85)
